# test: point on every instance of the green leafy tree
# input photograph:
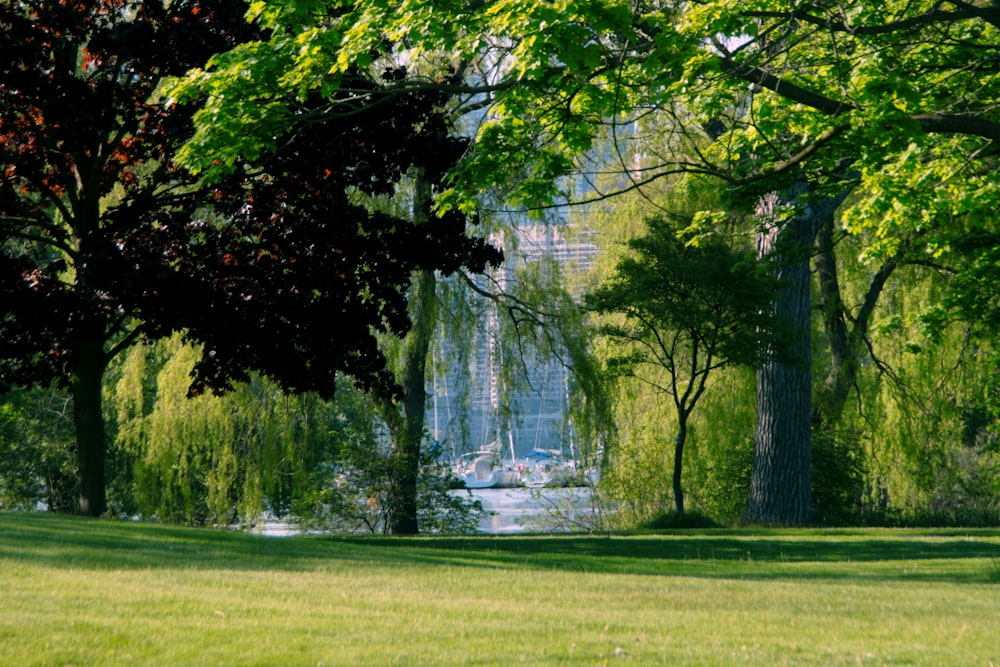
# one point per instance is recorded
(689, 308)
(895, 102)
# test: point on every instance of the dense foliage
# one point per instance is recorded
(686, 308)
(291, 277)
(274, 269)
(83, 142)
(856, 140)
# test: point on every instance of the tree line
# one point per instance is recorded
(836, 162)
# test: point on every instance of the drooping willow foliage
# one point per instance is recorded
(916, 441)
(216, 459)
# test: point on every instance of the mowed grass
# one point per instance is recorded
(77, 591)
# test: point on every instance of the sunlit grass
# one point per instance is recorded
(89, 592)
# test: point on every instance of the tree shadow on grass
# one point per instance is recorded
(971, 556)
(83, 542)
(887, 555)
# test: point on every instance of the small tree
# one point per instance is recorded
(35, 437)
(685, 307)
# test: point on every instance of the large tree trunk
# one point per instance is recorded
(780, 490)
(780, 482)
(407, 430)
(88, 373)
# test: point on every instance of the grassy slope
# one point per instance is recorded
(93, 592)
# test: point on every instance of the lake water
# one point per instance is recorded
(534, 510)
(510, 511)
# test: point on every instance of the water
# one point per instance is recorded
(533, 510)
(509, 511)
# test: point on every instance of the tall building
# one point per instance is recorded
(476, 401)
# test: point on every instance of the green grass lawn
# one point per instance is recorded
(79, 591)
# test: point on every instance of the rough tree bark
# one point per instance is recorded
(780, 482)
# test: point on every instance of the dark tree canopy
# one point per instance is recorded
(294, 278)
(82, 146)
(84, 158)
(276, 268)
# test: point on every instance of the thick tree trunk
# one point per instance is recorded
(88, 373)
(780, 490)
(780, 481)
(408, 430)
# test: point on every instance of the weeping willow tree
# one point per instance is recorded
(926, 415)
(208, 460)
(542, 328)
(514, 343)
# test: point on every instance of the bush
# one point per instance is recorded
(837, 479)
(37, 465)
(684, 521)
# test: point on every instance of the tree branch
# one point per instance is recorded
(930, 123)
(959, 124)
(786, 89)
(967, 13)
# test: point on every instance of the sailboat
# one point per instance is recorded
(484, 469)
(476, 470)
